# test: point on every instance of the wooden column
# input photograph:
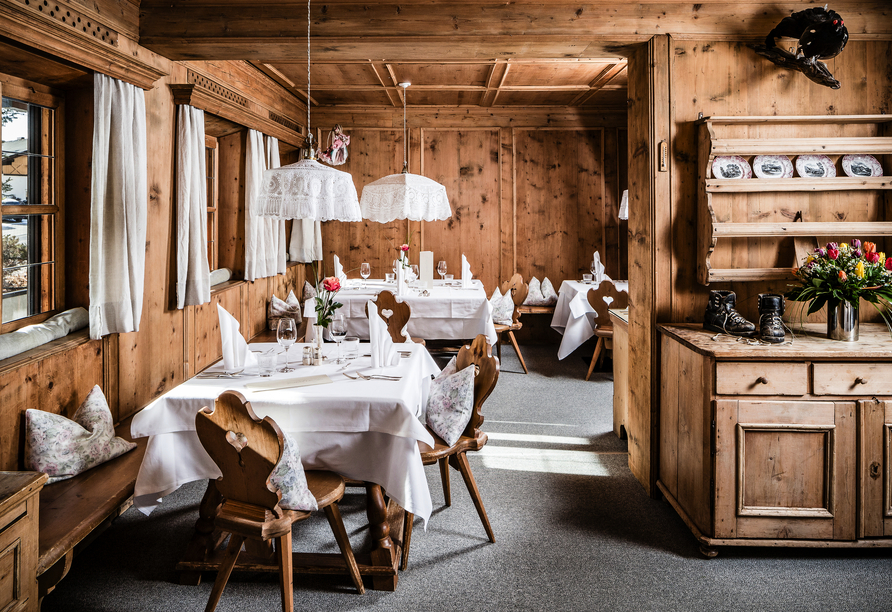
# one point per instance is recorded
(650, 218)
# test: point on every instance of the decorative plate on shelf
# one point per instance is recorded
(815, 166)
(861, 166)
(772, 166)
(731, 167)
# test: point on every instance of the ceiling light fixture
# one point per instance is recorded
(308, 189)
(405, 195)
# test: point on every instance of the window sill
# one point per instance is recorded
(44, 351)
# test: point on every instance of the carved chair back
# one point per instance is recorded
(596, 298)
(395, 314)
(519, 292)
(479, 354)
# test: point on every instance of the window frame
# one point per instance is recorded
(212, 181)
(35, 93)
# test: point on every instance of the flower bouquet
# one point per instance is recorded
(325, 300)
(842, 275)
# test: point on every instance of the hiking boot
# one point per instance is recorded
(771, 327)
(722, 317)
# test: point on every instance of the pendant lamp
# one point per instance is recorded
(404, 195)
(308, 189)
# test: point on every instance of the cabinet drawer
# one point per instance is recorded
(852, 378)
(761, 378)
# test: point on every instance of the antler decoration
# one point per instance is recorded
(821, 33)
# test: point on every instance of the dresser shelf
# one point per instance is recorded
(734, 209)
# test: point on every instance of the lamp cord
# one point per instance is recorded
(309, 132)
(405, 135)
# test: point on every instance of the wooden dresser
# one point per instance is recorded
(19, 493)
(778, 445)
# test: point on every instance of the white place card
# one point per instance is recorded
(426, 269)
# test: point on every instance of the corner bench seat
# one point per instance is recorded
(536, 309)
(72, 510)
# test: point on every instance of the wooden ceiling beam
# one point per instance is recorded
(599, 82)
(273, 30)
(378, 68)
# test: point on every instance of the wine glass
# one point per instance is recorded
(441, 268)
(365, 270)
(594, 268)
(338, 329)
(286, 334)
(415, 271)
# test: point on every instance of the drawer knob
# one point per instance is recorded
(762, 380)
(860, 381)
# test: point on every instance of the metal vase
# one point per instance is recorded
(842, 321)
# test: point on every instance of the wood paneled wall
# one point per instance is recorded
(536, 199)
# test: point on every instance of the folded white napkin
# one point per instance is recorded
(402, 285)
(382, 349)
(466, 276)
(598, 269)
(339, 270)
(236, 355)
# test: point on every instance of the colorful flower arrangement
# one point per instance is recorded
(844, 273)
(325, 299)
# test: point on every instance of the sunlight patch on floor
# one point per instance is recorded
(529, 423)
(511, 437)
(581, 463)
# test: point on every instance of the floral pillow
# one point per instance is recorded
(502, 308)
(62, 448)
(540, 294)
(309, 291)
(288, 476)
(451, 402)
(278, 309)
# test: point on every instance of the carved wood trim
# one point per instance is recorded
(824, 511)
(94, 46)
(218, 100)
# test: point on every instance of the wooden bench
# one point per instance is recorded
(549, 310)
(74, 511)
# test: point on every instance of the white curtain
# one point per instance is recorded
(264, 237)
(273, 160)
(306, 241)
(193, 274)
(118, 207)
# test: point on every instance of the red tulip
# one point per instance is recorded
(331, 283)
(832, 253)
(872, 257)
(889, 263)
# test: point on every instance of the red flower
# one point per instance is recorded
(872, 257)
(832, 253)
(404, 248)
(870, 247)
(889, 263)
(842, 275)
(331, 283)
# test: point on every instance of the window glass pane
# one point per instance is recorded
(27, 153)
(28, 265)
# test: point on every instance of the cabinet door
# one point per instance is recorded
(875, 468)
(785, 470)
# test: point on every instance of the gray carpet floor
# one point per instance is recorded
(574, 531)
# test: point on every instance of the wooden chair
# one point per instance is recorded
(604, 331)
(246, 449)
(519, 291)
(400, 312)
(478, 354)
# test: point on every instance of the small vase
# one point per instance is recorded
(318, 332)
(842, 321)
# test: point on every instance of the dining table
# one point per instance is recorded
(346, 418)
(574, 318)
(447, 311)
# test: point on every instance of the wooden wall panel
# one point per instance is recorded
(729, 79)
(466, 162)
(231, 213)
(208, 346)
(373, 154)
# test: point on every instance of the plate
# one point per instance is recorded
(772, 166)
(815, 166)
(731, 167)
(861, 166)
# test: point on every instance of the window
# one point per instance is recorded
(211, 169)
(29, 209)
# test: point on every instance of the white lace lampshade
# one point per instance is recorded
(405, 196)
(308, 190)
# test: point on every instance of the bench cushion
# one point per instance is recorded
(71, 509)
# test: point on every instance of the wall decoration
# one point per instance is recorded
(772, 166)
(821, 33)
(860, 166)
(815, 166)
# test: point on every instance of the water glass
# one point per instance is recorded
(351, 347)
(448, 278)
(266, 363)
(587, 279)
(389, 277)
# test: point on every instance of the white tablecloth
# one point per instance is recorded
(449, 313)
(573, 315)
(366, 430)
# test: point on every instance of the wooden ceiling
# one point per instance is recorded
(491, 83)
